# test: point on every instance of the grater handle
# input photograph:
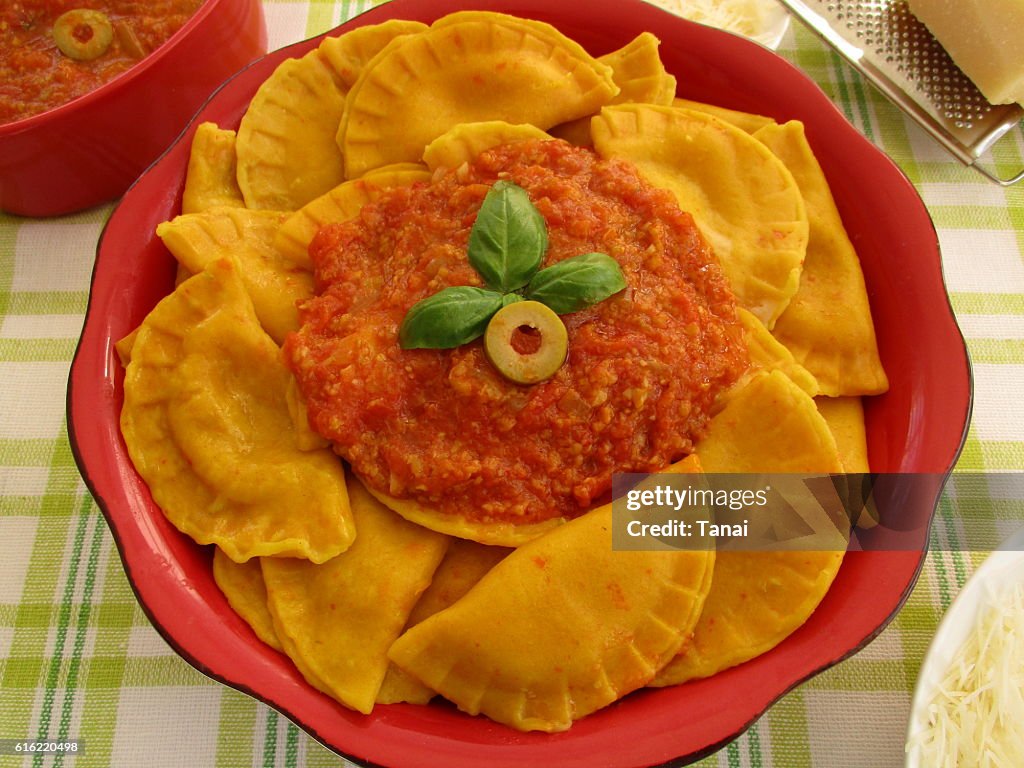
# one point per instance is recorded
(998, 179)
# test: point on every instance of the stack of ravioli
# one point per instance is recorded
(372, 607)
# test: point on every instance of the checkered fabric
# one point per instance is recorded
(79, 660)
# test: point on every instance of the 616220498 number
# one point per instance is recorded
(29, 746)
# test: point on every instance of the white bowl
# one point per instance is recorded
(1001, 569)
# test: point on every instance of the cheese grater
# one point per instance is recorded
(886, 43)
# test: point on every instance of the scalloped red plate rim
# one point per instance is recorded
(919, 426)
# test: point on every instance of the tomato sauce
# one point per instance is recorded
(442, 427)
(35, 76)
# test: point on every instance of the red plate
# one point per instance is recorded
(918, 426)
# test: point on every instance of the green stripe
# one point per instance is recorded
(754, 746)
(47, 303)
(996, 351)
(969, 217)
(104, 674)
(8, 239)
(944, 553)
(978, 511)
(318, 756)
(788, 729)
(917, 621)
(956, 545)
(30, 616)
(291, 747)
(236, 729)
(1008, 162)
(118, 613)
(37, 350)
(892, 131)
(28, 451)
(33, 506)
(862, 675)
(862, 103)
(732, 753)
(813, 59)
(987, 303)
(971, 457)
(321, 16)
(270, 740)
(81, 631)
(156, 671)
(1003, 454)
(838, 63)
(63, 621)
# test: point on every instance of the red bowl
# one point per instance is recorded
(918, 426)
(92, 148)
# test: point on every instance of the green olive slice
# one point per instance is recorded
(526, 341)
(83, 34)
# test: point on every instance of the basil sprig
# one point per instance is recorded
(506, 246)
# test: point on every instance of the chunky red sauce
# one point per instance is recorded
(35, 76)
(443, 427)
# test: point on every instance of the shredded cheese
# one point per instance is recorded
(977, 716)
(744, 17)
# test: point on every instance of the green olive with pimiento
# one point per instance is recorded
(83, 34)
(530, 317)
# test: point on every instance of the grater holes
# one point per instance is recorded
(896, 52)
(918, 58)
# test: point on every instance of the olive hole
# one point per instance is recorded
(83, 33)
(526, 340)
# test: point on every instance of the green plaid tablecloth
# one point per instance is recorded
(79, 660)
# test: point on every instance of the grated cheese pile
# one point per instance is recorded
(977, 716)
(744, 17)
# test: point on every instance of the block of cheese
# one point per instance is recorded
(986, 40)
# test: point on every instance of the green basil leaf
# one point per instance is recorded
(449, 318)
(508, 239)
(575, 283)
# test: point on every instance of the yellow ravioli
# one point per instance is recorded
(340, 204)
(462, 143)
(468, 67)
(285, 147)
(207, 427)
(274, 282)
(464, 564)
(845, 419)
(560, 628)
(348, 53)
(337, 620)
(491, 534)
(744, 200)
(746, 121)
(210, 181)
(767, 353)
(639, 73)
(641, 77)
(828, 325)
(757, 599)
(242, 584)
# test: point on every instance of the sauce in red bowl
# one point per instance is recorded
(35, 72)
(107, 119)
